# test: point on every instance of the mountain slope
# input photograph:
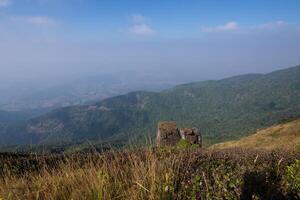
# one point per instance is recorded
(83, 91)
(224, 110)
(286, 135)
(10, 117)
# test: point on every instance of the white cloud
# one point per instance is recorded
(271, 25)
(142, 30)
(226, 27)
(4, 3)
(140, 27)
(39, 20)
(229, 26)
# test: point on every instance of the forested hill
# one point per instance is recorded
(10, 117)
(223, 109)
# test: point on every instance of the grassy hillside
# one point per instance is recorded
(223, 110)
(285, 135)
(166, 174)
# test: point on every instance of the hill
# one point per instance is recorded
(11, 117)
(224, 110)
(285, 135)
(82, 91)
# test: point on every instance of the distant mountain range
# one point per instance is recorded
(223, 110)
(12, 117)
(82, 91)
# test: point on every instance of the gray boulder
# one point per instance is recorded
(169, 135)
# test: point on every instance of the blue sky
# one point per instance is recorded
(42, 39)
(168, 18)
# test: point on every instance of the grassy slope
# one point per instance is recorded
(152, 174)
(286, 135)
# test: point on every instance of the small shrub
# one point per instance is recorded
(182, 144)
(292, 179)
(195, 146)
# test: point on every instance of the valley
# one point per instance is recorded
(223, 110)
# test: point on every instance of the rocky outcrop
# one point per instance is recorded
(169, 135)
(192, 135)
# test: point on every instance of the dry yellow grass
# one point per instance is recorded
(119, 175)
(151, 174)
(280, 136)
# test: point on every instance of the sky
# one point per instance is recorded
(51, 41)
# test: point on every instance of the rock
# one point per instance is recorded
(192, 135)
(167, 134)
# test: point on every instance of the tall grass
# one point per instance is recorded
(151, 174)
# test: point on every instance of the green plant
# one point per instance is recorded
(196, 184)
(182, 144)
(292, 179)
(195, 146)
